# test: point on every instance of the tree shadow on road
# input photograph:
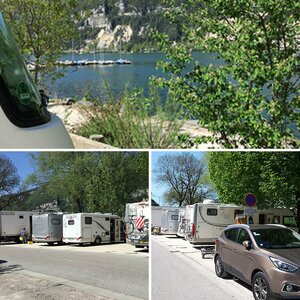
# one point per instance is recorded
(5, 269)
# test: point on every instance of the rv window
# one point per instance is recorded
(88, 220)
(71, 222)
(55, 221)
(212, 212)
(289, 221)
(21, 217)
(106, 219)
(231, 234)
(174, 217)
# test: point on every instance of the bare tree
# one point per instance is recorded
(9, 180)
(181, 174)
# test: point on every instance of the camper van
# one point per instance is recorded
(136, 224)
(12, 222)
(47, 228)
(165, 219)
(24, 119)
(93, 228)
(209, 219)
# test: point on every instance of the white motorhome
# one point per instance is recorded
(165, 218)
(24, 119)
(47, 228)
(136, 224)
(12, 222)
(209, 219)
(94, 228)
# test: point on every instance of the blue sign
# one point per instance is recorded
(250, 200)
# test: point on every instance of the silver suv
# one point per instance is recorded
(265, 256)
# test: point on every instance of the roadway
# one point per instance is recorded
(116, 270)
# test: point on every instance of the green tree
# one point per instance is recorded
(90, 182)
(181, 174)
(9, 181)
(41, 28)
(272, 176)
(250, 96)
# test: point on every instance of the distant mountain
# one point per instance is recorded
(121, 25)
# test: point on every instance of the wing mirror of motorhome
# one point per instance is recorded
(25, 121)
(247, 244)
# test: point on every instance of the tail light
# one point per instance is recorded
(46, 237)
(193, 229)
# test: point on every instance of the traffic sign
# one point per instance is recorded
(250, 200)
(250, 211)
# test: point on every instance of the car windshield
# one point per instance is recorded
(19, 97)
(276, 238)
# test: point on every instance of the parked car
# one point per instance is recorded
(265, 256)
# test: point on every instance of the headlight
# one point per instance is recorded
(284, 266)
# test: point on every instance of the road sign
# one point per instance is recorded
(250, 200)
(250, 211)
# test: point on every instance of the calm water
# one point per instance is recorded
(80, 80)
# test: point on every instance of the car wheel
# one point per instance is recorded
(97, 241)
(219, 268)
(260, 287)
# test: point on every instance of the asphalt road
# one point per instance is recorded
(179, 272)
(123, 272)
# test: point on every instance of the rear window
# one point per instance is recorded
(88, 220)
(55, 221)
(71, 222)
(19, 97)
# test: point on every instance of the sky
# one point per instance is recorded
(21, 160)
(158, 190)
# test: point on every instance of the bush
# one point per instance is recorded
(136, 121)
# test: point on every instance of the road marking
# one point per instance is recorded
(81, 286)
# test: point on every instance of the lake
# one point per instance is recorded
(82, 79)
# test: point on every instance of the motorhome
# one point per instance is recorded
(136, 224)
(164, 220)
(47, 228)
(93, 228)
(24, 119)
(12, 222)
(209, 219)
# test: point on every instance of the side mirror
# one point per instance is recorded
(247, 244)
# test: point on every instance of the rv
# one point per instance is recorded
(209, 219)
(12, 222)
(47, 228)
(93, 228)
(164, 219)
(24, 119)
(136, 224)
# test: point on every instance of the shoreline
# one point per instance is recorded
(74, 116)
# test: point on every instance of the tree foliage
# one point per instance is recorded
(90, 182)
(250, 96)
(41, 28)
(181, 173)
(9, 181)
(272, 176)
